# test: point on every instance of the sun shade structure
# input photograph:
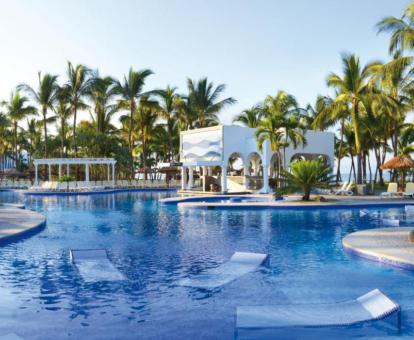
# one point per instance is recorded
(369, 307)
(214, 148)
(94, 265)
(110, 162)
(399, 163)
(239, 264)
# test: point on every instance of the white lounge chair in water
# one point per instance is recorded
(238, 265)
(392, 190)
(94, 265)
(369, 307)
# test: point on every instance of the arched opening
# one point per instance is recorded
(254, 177)
(236, 180)
(275, 167)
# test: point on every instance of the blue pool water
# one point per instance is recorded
(153, 246)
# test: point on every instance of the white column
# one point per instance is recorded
(190, 177)
(36, 176)
(67, 169)
(265, 165)
(60, 170)
(109, 173)
(224, 179)
(245, 171)
(210, 171)
(204, 178)
(87, 172)
(50, 173)
(113, 174)
(183, 177)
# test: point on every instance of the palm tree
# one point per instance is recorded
(17, 110)
(145, 116)
(250, 117)
(45, 97)
(282, 113)
(203, 99)
(101, 94)
(168, 110)
(350, 88)
(401, 29)
(79, 81)
(130, 91)
(306, 175)
(63, 111)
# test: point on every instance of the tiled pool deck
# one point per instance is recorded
(388, 245)
(16, 223)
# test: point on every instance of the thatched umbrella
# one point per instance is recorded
(399, 163)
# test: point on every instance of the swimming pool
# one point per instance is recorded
(155, 246)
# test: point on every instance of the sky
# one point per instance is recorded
(254, 47)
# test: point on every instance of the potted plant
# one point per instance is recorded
(66, 179)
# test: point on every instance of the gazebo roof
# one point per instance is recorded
(58, 161)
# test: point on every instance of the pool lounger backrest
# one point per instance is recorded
(87, 254)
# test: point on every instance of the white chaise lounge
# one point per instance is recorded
(392, 190)
(409, 190)
(369, 307)
(239, 264)
(94, 265)
(345, 189)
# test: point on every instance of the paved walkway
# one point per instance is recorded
(389, 245)
(17, 222)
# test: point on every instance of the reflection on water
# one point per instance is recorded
(43, 295)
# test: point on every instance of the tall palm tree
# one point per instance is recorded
(250, 117)
(145, 118)
(282, 113)
(130, 91)
(44, 96)
(401, 29)
(17, 110)
(77, 87)
(351, 87)
(101, 94)
(203, 98)
(63, 111)
(168, 110)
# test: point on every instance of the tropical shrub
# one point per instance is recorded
(307, 175)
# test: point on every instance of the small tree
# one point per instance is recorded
(307, 175)
(66, 179)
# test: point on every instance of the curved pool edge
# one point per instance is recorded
(389, 246)
(294, 205)
(17, 224)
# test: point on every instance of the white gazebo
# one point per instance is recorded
(110, 162)
(215, 146)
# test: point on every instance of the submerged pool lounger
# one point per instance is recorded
(392, 222)
(94, 265)
(239, 264)
(369, 307)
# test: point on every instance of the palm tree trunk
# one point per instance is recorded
(338, 171)
(62, 138)
(16, 154)
(45, 130)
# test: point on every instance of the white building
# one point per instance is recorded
(204, 150)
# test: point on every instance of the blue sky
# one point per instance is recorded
(255, 47)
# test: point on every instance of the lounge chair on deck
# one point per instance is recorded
(345, 189)
(238, 265)
(369, 307)
(409, 190)
(392, 190)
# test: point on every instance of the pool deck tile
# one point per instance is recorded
(388, 245)
(16, 222)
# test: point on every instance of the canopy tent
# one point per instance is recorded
(110, 162)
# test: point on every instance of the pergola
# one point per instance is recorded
(75, 161)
